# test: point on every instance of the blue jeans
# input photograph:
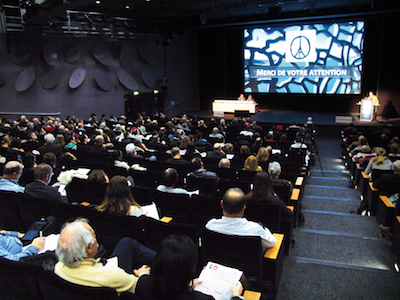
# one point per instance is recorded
(132, 255)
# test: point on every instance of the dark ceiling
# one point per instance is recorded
(128, 18)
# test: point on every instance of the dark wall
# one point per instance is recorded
(149, 63)
(221, 71)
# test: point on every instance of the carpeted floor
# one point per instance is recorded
(337, 255)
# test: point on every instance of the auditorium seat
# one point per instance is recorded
(203, 208)
(9, 212)
(173, 205)
(54, 287)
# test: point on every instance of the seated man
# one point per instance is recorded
(232, 222)
(11, 174)
(176, 157)
(170, 178)
(217, 152)
(11, 247)
(40, 187)
(76, 251)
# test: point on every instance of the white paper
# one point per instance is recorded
(151, 211)
(50, 243)
(217, 280)
(112, 262)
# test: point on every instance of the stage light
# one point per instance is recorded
(127, 7)
(98, 2)
(396, 267)
(135, 93)
(156, 91)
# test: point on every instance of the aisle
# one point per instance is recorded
(337, 255)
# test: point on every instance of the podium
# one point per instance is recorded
(367, 109)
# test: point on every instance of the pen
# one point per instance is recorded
(41, 233)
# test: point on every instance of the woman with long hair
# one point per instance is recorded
(251, 164)
(262, 157)
(379, 162)
(172, 275)
(119, 200)
(263, 192)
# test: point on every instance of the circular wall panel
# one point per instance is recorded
(103, 81)
(127, 80)
(50, 53)
(102, 55)
(52, 79)
(149, 79)
(147, 54)
(74, 53)
(77, 78)
(25, 80)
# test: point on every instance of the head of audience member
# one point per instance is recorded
(16, 143)
(224, 163)
(12, 170)
(251, 163)
(233, 203)
(43, 173)
(29, 160)
(184, 142)
(380, 156)
(228, 148)
(366, 149)
(245, 151)
(262, 154)
(196, 164)
(170, 177)
(49, 138)
(60, 140)
(130, 149)
(118, 199)
(262, 186)
(50, 158)
(77, 242)
(217, 147)
(363, 141)
(396, 167)
(283, 137)
(98, 176)
(174, 267)
(99, 140)
(116, 154)
(176, 153)
(6, 141)
(274, 169)
(394, 148)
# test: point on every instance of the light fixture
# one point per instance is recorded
(98, 2)
(135, 93)
(156, 92)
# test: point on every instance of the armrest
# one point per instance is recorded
(295, 194)
(166, 219)
(386, 201)
(272, 253)
(291, 207)
(365, 175)
(372, 187)
(251, 295)
(299, 181)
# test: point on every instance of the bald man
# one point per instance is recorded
(11, 174)
(232, 222)
(76, 251)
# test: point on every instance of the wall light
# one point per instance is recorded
(135, 93)
(156, 91)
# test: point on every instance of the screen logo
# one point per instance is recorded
(301, 46)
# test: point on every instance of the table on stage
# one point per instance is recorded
(230, 106)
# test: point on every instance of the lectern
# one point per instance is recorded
(367, 109)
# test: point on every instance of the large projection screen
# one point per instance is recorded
(312, 58)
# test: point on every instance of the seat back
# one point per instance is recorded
(207, 186)
(204, 208)
(18, 280)
(32, 209)
(267, 214)
(55, 288)
(242, 252)
(76, 190)
(155, 231)
(173, 205)
(111, 229)
(9, 212)
(283, 191)
(376, 174)
(246, 175)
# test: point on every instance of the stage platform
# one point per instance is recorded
(325, 121)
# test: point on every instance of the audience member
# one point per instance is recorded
(263, 192)
(119, 200)
(274, 170)
(176, 157)
(224, 163)
(172, 275)
(11, 247)
(11, 174)
(379, 162)
(232, 222)
(76, 251)
(170, 177)
(40, 187)
(217, 152)
(251, 164)
(50, 146)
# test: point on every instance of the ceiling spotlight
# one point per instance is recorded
(98, 2)
(156, 92)
(127, 7)
(135, 93)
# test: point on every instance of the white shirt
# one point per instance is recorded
(241, 226)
